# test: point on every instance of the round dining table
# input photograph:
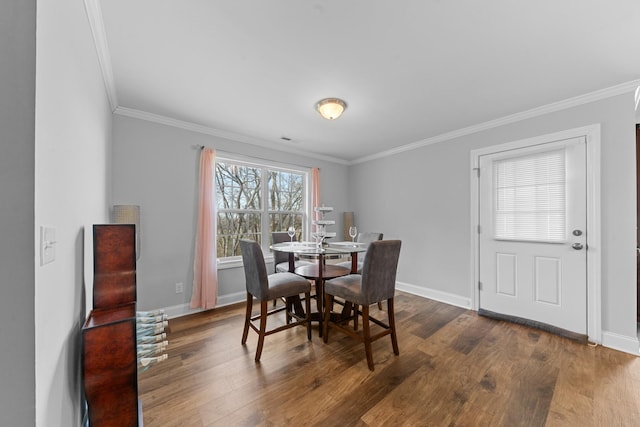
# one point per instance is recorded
(320, 271)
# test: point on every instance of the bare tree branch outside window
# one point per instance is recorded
(239, 196)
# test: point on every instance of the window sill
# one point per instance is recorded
(237, 263)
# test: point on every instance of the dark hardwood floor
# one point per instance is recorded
(455, 369)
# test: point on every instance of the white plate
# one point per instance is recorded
(323, 209)
(327, 235)
(346, 244)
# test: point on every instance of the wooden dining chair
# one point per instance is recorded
(267, 287)
(281, 259)
(376, 283)
(367, 238)
(364, 238)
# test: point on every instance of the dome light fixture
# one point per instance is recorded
(331, 108)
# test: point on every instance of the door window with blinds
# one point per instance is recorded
(530, 197)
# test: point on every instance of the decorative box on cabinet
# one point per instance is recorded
(109, 361)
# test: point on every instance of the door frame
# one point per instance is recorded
(594, 244)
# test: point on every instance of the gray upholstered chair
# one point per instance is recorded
(367, 237)
(281, 259)
(376, 283)
(363, 238)
(265, 288)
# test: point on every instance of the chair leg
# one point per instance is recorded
(355, 317)
(320, 294)
(328, 303)
(307, 299)
(288, 307)
(247, 318)
(263, 328)
(367, 336)
(379, 305)
(392, 326)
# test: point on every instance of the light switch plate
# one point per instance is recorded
(47, 245)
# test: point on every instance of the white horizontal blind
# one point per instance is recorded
(530, 197)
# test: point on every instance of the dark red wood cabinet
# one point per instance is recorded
(109, 360)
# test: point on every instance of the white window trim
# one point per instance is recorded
(236, 261)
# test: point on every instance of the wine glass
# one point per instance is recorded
(353, 232)
(291, 231)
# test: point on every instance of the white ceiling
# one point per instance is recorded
(408, 70)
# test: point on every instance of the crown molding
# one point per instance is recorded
(193, 127)
(597, 95)
(96, 23)
(94, 15)
(631, 86)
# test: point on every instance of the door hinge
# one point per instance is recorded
(480, 285)
(477, 171)
(479, 229)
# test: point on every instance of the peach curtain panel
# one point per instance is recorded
(205, 271)
(315, 194)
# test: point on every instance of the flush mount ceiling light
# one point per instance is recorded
(331, 108)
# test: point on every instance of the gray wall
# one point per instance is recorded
(404, 195)
(156, 166)
(72, 185)
(423, 197)
(17, 141)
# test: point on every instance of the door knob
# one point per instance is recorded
(577, 246)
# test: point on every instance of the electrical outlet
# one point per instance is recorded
(179, 288)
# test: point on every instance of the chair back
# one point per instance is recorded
(255, 270)
(379, 270)
(280, 237)
(368, 237)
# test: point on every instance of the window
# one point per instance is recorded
(254, 200)
(530, 197)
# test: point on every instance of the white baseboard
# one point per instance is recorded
(436, 295)
(619, 342)
(185, 309)
(445, 297)
(180, 310)
(609, 339)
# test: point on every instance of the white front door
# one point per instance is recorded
(532, 236)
